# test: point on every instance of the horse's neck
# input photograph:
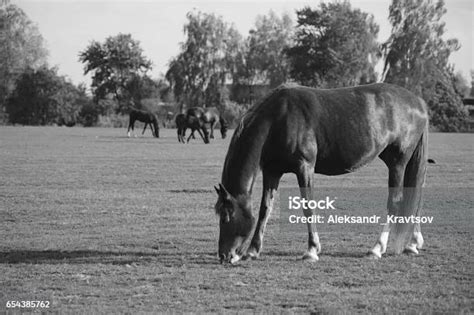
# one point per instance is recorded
(243, 158)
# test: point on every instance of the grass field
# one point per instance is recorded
(93, 221)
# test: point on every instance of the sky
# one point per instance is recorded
(69, 26)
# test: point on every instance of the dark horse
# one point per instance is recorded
(211, 116)
(303, 131)
(144, 116)
(184, 122)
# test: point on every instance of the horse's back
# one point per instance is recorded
(207, 115)
(343, 129)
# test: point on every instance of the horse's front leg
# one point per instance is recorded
(192, 134)
(202, 136)
(146, 124)
(178, 132)
(212, 130)
(305, 181)
(270, 186)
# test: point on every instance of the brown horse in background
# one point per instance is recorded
(144, 116)
(302, 130)
(209, 115)
(183, 123)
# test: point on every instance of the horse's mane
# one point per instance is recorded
(251, 113)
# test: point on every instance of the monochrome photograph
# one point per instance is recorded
(266, 156)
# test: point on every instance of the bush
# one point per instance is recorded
(447, 111)
(232, 112)
(88, 115)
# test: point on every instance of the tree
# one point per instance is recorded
(447, 112)
(114, 64)
(70, 100)
(417, 57)
(472, 84)
(41, 97)
(141, 87)
(263, 58)
(461, 84)
(198, 74)
(335, 46)
(21, 47)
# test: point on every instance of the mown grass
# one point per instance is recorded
(94, 221)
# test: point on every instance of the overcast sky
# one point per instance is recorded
(69, 26)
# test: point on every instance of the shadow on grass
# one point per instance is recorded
(347, 254)
(126, 138)
(103, 257)
(190, 191)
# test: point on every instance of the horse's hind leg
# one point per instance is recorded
(305, 181)
(130, 126)
(394, 202)
(178, 132)
(270, 186)
(416, 241)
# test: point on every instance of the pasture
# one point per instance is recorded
(94, 221)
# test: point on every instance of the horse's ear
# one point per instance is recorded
(217, 190)
(223, 193)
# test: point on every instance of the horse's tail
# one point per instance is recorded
(412, 202)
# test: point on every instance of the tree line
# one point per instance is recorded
(332, 45)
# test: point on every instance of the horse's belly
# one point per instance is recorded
(349, 161)
(332, 167)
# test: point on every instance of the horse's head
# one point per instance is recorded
(235, 224)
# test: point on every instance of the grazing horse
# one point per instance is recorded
(183, 123)
(302, 130)
(211, 116)
(144, 116)
(180, 121)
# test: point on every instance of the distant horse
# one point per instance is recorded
(302, 130)
(184, 122)
(211, 116)
(180, 121)
(144, 116)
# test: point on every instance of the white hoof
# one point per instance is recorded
(235, 259)
(411, 249)
(251, 254)
(419, 240)
(310, 256)
(372, 254)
